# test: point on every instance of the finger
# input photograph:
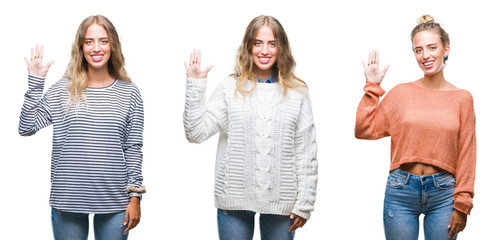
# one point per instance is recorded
(207, 69)
(364, 65)
(199, 58)
(32, 53)
(194, 57)
(385, 70)
(37, 51)
(25, 59)
(48, 65)
(369, 58)
(191, 57)
(41, 51)
(376, 59)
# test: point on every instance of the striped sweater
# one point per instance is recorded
(266, 157)
(96, 145)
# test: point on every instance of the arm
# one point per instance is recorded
(202, 120)
(306, 162)
(133, 141)
(133, 158)
(371, 118)
(465, 169)
(35, 113)
(371, 121)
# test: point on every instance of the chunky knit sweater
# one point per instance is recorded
(266, 157)
(426, 126)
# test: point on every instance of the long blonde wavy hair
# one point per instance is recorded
(78, 66)
(283, 67)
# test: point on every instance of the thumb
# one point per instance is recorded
(126, 219)
(48, 65)
(207, 69)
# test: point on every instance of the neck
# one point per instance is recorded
(435, 81)
(263, 74)
(99, 78)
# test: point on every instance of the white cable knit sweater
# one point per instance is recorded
(266, 158)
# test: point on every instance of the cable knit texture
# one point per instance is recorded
(426, 126)
(266, 158)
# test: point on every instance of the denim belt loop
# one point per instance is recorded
(434, 179)
(406, 180)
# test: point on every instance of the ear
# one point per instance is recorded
(446, 50)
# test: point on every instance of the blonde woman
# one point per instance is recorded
(433, 148)
(266, 158)
(97, 117)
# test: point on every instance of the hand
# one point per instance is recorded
(132, 214)
(35, 65)
(371, 70)
(298, 223)
(457, 223)
(193, 70)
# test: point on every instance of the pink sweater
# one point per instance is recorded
(426, 126)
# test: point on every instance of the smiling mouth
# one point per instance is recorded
(428, 65)
(264, 60)
(97, 57)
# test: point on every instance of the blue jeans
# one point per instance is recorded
(407, 196)
(75, 226)
(239, 225)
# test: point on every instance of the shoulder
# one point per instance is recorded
(465, 98)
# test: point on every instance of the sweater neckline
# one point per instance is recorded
(103, 88)
(434, 90)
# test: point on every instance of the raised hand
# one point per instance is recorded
(193, 69)
(35, 64)
(371, 69)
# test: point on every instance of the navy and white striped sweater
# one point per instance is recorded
(96, 145)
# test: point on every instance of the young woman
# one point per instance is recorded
(433, 146)
(266, 158)
(97, 116)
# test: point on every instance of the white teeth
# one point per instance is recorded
(428, 63)
(97, 57)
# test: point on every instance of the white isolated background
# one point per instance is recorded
(329, 40)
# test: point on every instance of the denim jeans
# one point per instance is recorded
(75, 226)
(407, 196)
(239, 225)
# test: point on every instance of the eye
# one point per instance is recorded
(418, 50)
(88, 42)
(272, 44)
(104, 41)
(257, 44)
(433, 48)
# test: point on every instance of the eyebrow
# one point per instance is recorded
(96, 38)
(430, 44)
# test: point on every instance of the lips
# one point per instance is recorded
(428, 64)
(97, 57)
(264, 60)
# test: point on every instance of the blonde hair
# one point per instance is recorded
(283, 67)
(78, 66)
(426, 22)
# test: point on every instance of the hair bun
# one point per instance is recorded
(425, 19)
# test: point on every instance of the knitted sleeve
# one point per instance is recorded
(306, 161)
(467, 152)
(133, 141)
(371, 122)
(35, 112)
(201, 120)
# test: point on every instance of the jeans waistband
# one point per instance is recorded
(416, 178)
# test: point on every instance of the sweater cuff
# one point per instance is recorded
(35, 82)
(373, 88)
(200, 83)
(463, 203)
(299, 213)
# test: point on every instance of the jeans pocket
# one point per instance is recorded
(446, 182)
(395, 182)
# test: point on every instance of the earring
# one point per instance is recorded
(445, 57)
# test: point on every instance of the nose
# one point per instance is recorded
(265, 49)
(427, 54)
(96, 47)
